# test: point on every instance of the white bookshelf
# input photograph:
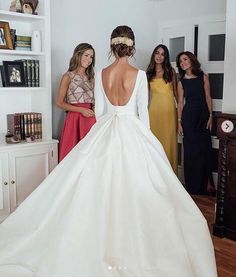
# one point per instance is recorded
(28, 99)
(7, 15)
(20, 53)
(24, 165)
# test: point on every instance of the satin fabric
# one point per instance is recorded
(112, 207)
(76, 127)
(163, 117)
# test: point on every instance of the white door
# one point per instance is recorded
(211, 50)
(178, 39)
(4, 187)
(28, 168)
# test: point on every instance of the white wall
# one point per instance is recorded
(187, 12)
(185, 9)
(75, 21)
(229, 98)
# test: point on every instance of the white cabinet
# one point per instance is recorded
(4, 186)
(22, 169)
(23, 166)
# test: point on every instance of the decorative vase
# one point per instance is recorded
(36, 41)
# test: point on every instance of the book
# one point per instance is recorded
(13, 124)
(25, 124)
(13, 37)
(3, 79)
(33, 79)
(22, 126)
(29, 73)
(37, 79)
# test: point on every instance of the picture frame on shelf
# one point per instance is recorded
(29, 6)
(14, 73)
(5, 36)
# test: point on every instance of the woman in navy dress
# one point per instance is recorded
(195, 123)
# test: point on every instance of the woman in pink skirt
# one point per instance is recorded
(76, 97)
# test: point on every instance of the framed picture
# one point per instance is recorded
(5, 36)
(14, 73)
(29, 6)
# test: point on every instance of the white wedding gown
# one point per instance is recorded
(113, 207)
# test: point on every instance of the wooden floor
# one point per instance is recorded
(225, 249)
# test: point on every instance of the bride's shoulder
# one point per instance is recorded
(142, 74)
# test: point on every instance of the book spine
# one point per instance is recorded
(32, 124)
(11, 123)
(37, 80)
(22, 127)
(3, 76)
(25, 72)
(29, 123)
(40, 125)
(33, 73)
(29, 76)
(26, 124)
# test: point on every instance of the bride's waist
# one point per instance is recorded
(120, 111)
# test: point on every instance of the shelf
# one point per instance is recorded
(21, 53)
(3, 89)
(38, 142)
(7, 15)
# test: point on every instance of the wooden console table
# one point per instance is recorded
(225, 220)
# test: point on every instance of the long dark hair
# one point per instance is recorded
(196, 66)
(167, 68)
(75, 60)
(122, 49)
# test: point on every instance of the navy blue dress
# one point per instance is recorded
(197, 139)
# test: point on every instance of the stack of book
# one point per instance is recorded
(31, 73)
(23, 43)
(25, 124)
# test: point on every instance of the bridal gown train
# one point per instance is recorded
(113, 207)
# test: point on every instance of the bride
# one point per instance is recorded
(113, 206)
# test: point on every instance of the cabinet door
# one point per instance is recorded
(230, 198)
(4, 187)
(28, 168)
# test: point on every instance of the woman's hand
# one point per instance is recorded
(209, 123)
(180, 129)
(86, 112)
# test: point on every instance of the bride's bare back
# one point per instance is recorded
(119, 82)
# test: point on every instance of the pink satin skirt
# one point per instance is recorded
(75, 128)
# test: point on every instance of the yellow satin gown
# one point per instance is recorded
(163, 117)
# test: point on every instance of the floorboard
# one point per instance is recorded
(225, 249)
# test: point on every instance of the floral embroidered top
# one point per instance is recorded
(81, 90)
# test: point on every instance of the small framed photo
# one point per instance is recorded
(5, 36)
(14, 73)
(29, 6)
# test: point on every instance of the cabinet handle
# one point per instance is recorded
(13, 182)
(5, 183)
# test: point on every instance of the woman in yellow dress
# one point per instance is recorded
(162, 108)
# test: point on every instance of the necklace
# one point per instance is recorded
(191, 76)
